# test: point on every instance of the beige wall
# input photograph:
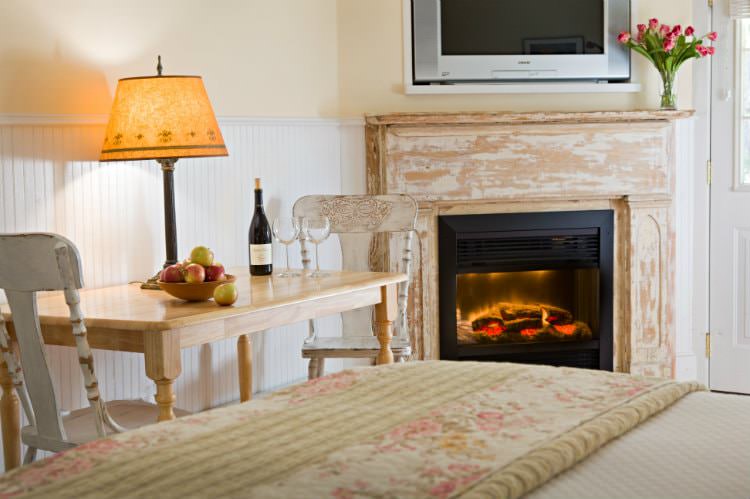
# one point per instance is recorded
(257, 57)
(371, 67)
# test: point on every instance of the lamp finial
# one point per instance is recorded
(159, 67)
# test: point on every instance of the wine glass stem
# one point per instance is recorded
(317, 259)
(286, 247)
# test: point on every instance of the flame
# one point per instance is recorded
(483, 312)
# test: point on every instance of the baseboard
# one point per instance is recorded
(686, 366)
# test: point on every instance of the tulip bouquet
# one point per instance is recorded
(668, 48)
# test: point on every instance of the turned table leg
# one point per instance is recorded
(10, 419)
(245, 367)
(163, 366)
(385, 314)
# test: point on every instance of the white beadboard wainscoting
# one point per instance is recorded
(50, 180)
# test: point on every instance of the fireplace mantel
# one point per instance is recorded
(501, 117)
(496, 162)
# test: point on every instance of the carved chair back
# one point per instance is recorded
(357, 220)
(30, 263)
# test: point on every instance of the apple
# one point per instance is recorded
(173, 273)
(195, 273)
(202, 256)
(225, 294)
(215, 272)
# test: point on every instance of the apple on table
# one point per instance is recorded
(215, 272)
(202, 256)
(173, 273)
(195, 273)
(226, 294)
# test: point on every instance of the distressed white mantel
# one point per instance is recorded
(474, 163)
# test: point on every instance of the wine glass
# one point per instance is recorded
(317, 230)
(286, 231)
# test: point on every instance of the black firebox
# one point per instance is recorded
(527, 287)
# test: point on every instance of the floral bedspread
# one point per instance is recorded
(420, 429)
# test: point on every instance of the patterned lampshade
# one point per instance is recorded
(157, 117)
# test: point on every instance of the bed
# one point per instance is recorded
(427, 429)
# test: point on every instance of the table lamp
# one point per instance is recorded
(163, 118)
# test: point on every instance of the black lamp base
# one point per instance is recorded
(170, 224)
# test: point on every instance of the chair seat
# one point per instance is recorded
(349, 347)
(80, 425)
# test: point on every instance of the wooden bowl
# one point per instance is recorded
(199, 291)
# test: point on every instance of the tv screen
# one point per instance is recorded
(522, 27)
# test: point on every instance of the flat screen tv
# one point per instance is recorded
(468, 41)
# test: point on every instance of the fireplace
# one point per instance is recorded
(527, 287)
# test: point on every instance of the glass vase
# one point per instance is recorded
(668, 97)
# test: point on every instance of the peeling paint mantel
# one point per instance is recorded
(503, 117)
(499, 162)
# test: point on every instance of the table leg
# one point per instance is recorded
(163, 366)
(245, 364)
(10, 419)
(385, 314)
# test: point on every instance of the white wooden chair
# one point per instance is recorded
(45, 262)
(357, 220)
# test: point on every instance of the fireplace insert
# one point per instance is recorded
(527, 287)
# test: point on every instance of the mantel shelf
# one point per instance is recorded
(525, 88)
(519, 118)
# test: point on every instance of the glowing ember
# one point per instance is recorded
(493, 329)
(521, 323)
(568, 329)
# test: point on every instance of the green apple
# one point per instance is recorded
(226, 294)
(202, 256)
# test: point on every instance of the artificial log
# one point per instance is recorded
(516, 317)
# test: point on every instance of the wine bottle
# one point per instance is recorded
(261, 262)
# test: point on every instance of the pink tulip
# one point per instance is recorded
(703, 51)
(653, 23)
(642, 28)
(665, 29)
(713, 36)
(689, 31)
(711, 50)
(623, 37)
(677, 30)
(668, 44)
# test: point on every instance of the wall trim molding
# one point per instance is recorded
(101, 119)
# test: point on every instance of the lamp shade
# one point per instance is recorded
(157, 117)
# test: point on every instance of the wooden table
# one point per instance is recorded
(128, 319)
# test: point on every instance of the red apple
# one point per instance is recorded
(215, 272)
(202, 256)
(226, 294)
(173, 273)
(195, 273)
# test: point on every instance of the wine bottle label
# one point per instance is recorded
(260, 254)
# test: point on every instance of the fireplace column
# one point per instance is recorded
(650, 261)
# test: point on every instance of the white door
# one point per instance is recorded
(729, 368)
